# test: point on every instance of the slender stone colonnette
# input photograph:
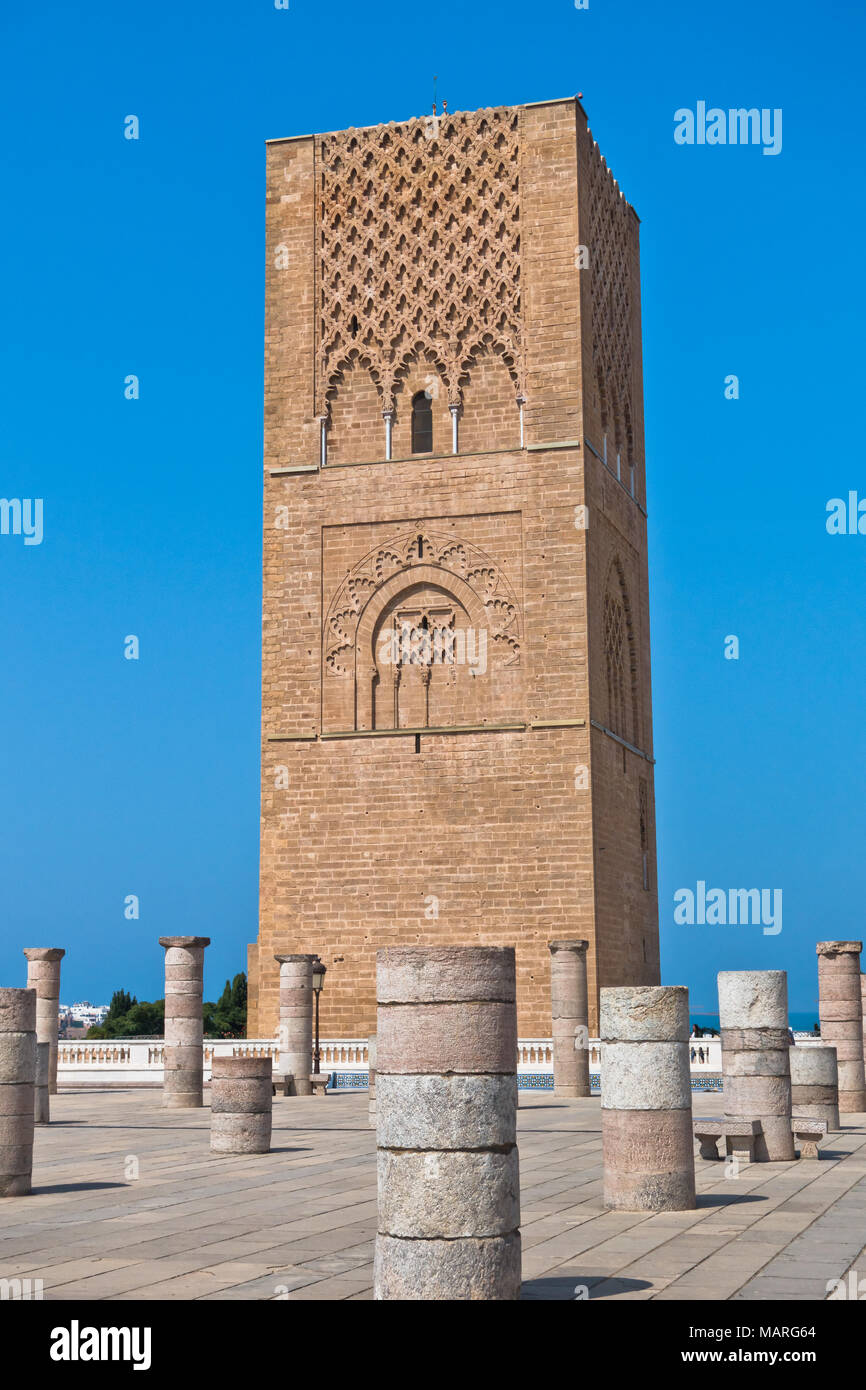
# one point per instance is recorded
(17, 1088)
(41, 1097)
(756, 1063)
(183, 1077)
(43, 975)
(446, 1083)
(646, 1099)
(241, 1105)
(815, 1084)
(569, 1006)
(296, 1020)
(840, 1010)
(371, 1064)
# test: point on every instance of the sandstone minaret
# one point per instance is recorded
(457, 726)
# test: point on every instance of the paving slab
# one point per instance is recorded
(129, 1204)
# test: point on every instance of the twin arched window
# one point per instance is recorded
(422, 423)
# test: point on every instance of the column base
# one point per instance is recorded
(179, 1101)
(469, 1269)
(20, 1186)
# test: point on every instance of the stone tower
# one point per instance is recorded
(457, 732)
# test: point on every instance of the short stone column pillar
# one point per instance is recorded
(43, 975)
(840, 1009)
(446, 1094)
(646, 1099)
(296, 1020)
(815, 1084)
(241, 1105)
(863, 1016)
(41, 1098)
(371, 1063)
(756, 1062)
(569, 1006)
(183, 1076)
(17, 1090)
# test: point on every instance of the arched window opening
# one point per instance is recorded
(620, 661)
(616, 657)
(422, 423)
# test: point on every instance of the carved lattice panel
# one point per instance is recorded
(609, 268)
(419, 248)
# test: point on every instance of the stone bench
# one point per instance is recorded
(319, 1081)
(739, 1136)
(282, 1081)
(808, 1134)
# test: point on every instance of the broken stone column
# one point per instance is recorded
(43, 976)
(840, 1009)
(815, 1084)
(184, 1060)
(646, 1099)
(296, 1020)
(569, 1007)
(241, 1105)
(371, 1062)
(41, 1099)
(17, 1089)
(756, 1062)
(446, 1084)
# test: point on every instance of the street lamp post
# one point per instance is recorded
(318, 984)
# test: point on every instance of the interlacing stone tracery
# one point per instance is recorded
(455, 563)
(609, 262)
(419, 250)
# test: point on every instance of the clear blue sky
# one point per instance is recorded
(146, 257)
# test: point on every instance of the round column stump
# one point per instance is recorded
(17, 1090)
(756, 1060)
(815, 1084)
(840, 1009)
(43, 976)
(446, 1125)
(183, 1077)
(646, 1099)
(569, 1009)
(41, 1097)
(241, 1105)
(296, 1020)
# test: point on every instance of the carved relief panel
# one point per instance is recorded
(424, 628)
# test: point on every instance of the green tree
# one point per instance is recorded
(227, 1018)
(121, 1003)
(136, 1020)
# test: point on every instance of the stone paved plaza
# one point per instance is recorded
(299, 1223)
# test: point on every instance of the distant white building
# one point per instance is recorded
(83, 1015)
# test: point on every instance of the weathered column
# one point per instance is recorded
(43, 975)
(646, 1099)
(863, 1015)
(184, 1061)
(569, 1007)
(756, 1062)
(296, 1019)
(840, 1010)
(371, 1062)
(241, 1105)
(17, 1088)
(41, 1098)
(815, 1084)
(446, 1083)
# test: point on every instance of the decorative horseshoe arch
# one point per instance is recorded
(410, 563)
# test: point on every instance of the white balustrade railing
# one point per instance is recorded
(139, 1061)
